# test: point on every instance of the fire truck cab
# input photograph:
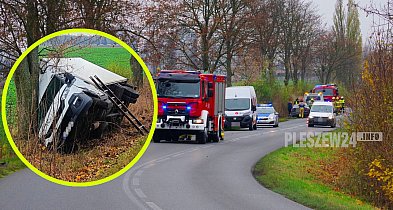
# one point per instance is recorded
(329, 91)
(191, 106)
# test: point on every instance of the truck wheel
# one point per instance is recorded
(156, 139)
(201, 137)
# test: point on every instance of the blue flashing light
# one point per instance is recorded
(164, 107)
(265, 105)
(188, 107)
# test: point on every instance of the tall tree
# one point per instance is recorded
(349, 42)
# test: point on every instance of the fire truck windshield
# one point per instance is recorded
(237, 104)
(326, 91)
(178, 89)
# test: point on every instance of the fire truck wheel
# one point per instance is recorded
(201, 137)
(156, 139)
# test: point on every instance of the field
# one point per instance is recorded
(96, 158)
(115, 59)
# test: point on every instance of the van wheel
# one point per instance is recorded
(201, 137)
(250, 126)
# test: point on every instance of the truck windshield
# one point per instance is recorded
(48, 97)
(325, 91)
(178, 89)
(237, 104)
(322, 108)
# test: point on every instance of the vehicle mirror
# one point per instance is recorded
(210, 85)
(210, 92)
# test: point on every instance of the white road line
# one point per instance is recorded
(139, 172)
(179, 154)
(162, 160)
(135, 181)
(148, 166)
(194, 150)
(140, 193)
(153, 206)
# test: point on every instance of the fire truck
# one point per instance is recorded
(329, 91)
(191, 106)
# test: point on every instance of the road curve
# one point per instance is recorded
(170, 176)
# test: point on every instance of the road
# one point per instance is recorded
(170, 176)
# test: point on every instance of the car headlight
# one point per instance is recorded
(331, 117)
(311, 117)
(197, 121)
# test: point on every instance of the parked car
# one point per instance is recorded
(267, 115)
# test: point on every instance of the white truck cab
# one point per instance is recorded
(71, 106)
(240, 107)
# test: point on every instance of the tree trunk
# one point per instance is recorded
(287, 65)
(27, 78)
(205, 53)
(137, 72)
(228, 65)
(23, 92)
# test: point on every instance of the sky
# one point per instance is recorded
(326, 10)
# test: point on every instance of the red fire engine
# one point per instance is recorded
(329, 91)
(191, 106)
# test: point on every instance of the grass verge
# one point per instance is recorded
(10, 165)
(307, 176)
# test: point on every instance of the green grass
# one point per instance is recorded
(115, 59)
(10, 161)
(291, 172)
(12, 164)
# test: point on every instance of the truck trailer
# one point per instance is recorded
(191, 106)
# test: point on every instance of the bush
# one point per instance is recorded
(370, 173)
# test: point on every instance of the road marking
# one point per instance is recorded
(178, 154)
(162, 160)
(135, 181)
(140, 193)
(139, 172)
(194, 150)
(153, 206)
(148, 166)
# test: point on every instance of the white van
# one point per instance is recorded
(322, 113)
(240, 107)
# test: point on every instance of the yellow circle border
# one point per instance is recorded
(4, 99)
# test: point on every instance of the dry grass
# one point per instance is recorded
(95, 158)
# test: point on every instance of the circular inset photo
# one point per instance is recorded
(79, 107)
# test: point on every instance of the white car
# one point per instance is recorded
(267, 115)
(322, 113)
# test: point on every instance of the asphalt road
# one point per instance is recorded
(170, 176)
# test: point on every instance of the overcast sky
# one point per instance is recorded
(326, 10)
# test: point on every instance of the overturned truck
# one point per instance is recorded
(72, 106)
